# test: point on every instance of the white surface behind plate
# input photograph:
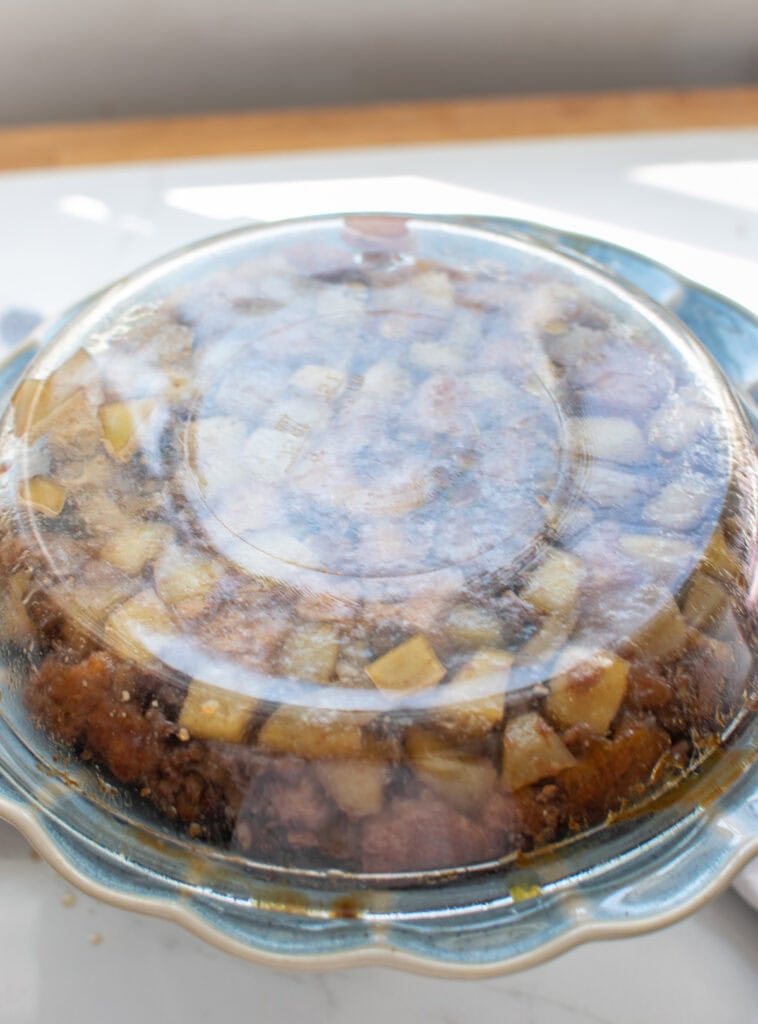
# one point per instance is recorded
(689, 200)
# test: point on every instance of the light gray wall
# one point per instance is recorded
(95, 58)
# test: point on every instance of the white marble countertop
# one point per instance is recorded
(687, 199)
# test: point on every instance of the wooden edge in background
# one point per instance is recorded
(463, 120)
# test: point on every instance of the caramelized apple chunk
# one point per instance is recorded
(588, 693)
(27, 406)
(310, 652)
(124, 424)
(532, 751)
(554, 586)
(312, 733)
(472, 626)
(357, 787)
(473, 702)
(664, 636)
(136, 544)
(706, 602)
(720, 559)
(610, 437)
(464, 780)
(43, 495)
(210, 713)
(410, 667)
(183, 575)
(138, 628)
(17, 625)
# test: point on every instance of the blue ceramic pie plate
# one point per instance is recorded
(628, 877)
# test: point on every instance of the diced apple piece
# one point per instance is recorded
(297, 416)
(486, 665)
(385, 542)
(473, 702)
(678, 423)
(312, 733)
(325, 382)
(214, 443)
(462, 779)
(347, 300)
(27, 407)
(659, 555)
(101, 515)
(706, 603)
(93, 474)
(682, 504)
(99, 589)
(72, 428)
(436, 287)
(124, 425)
(532, 751)
(357, 787)
(210, 713)
(590, 692)
(269, 453)
(14, 621)
(34, 400)
(554, 586)
(407, 668)
(310, 652)
(420, 609)
(43, 495)
(553, 632)
(609, 437)
(664, 636)
(719, 559)
(182, 574)
(434, 356)
(251, 508)
(386, 382)
(439, 402)
(350, 668)
(610, 487)
(135, 545)
(139, 628)
(79, 371)
(472, 626)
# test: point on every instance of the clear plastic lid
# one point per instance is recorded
(379, 544)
